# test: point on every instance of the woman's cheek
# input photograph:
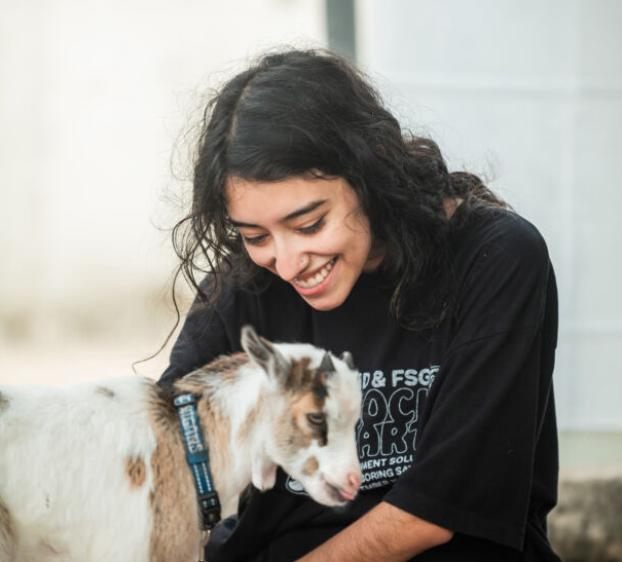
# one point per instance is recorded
(330, 240)
(258, 255)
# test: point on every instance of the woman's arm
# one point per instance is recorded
(385, 534)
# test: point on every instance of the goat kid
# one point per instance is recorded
(97, 472)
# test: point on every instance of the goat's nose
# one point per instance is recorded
(354, 481)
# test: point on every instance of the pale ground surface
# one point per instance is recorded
(63, 362)
(96, 339)
(590, 454)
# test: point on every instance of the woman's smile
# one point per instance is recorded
(314, 283)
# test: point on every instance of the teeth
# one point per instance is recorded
(317, 278)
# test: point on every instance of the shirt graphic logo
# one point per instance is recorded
(387, 430)
(294, 486)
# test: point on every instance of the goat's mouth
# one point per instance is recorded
(337, 494)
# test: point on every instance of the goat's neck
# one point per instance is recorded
(233, 416)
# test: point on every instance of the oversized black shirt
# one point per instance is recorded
(458, 422)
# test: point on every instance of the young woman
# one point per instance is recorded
(319, 219)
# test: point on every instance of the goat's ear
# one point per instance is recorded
(263, 353)
(327, 366)
(346, 357)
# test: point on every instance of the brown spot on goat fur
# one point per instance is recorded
(296, 432)
(221, 370)
(173, 499)
(105, 391)
(7, 533)
(217, 439)
(136, 471)
(300, 376)
(175, 533)
(310, 467)
(303, 379)
(251, 419)
(308, 391)
(226, 365)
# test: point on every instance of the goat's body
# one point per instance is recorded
(64, 474)
(83, 461)
(96, 472)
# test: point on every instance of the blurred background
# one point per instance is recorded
(97, 106)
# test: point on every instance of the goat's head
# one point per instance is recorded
(315, 405)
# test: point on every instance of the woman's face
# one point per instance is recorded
(310, 232)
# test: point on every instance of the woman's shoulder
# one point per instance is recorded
(488, 230)
(502, 273)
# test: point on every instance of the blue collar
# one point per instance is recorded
(197, 458)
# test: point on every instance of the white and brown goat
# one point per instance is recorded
(97, 472)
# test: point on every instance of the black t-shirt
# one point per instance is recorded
(458, 422)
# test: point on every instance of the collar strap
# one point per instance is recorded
(197, 458)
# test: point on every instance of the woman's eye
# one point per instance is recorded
(316, 418)
(312, 227)
(254, 240)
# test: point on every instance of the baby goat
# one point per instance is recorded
(97, 472)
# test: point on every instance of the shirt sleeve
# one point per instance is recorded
(476, 451)
(203, 337)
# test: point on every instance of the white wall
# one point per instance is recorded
(94, 98)
(529, 92)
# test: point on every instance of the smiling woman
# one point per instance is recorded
(317, 219)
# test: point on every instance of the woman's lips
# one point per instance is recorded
(316, 283)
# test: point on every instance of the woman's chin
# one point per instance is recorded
(328, 301)
(322, 305)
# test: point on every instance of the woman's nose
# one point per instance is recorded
(289, 262)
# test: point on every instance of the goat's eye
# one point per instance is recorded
(316, 418)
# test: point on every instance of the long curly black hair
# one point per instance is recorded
(311, 112)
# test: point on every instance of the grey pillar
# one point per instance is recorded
(341, 27)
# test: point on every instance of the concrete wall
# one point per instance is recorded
(528, 93)
(95, 101)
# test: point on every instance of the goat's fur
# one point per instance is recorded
(97, 472)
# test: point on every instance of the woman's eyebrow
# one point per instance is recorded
(294, 214)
